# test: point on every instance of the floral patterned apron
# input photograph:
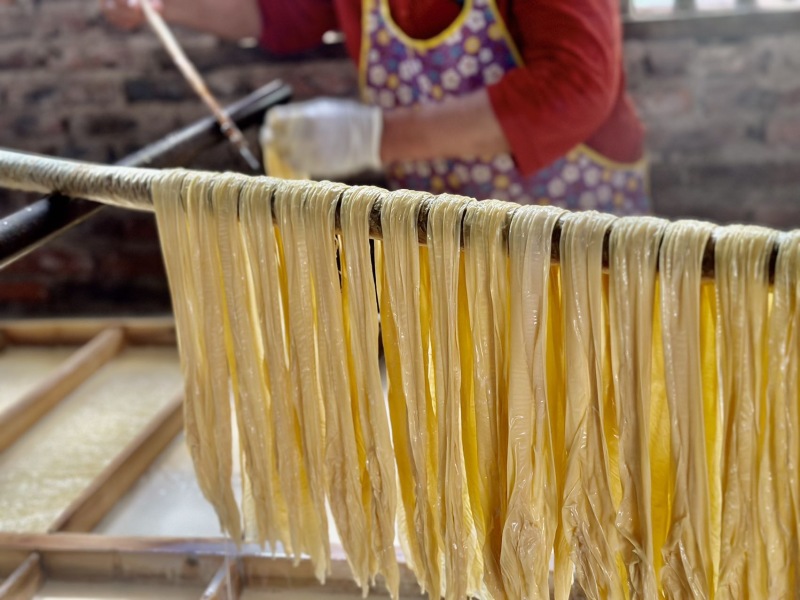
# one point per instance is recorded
(475, 51)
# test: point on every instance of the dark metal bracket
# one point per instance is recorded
(31, 227)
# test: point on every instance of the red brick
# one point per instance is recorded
(94, 51)
(98, 87)
(100, 124)
(784, 130)
(140, 227)
(22, 291)
(127, 264)
(670, 57)
(37, 126)
(664, 101)
(21, 54)
(65, 17)
(71, 262)
(790, 98)
(715, 60)
(27, 88)
(16, 21)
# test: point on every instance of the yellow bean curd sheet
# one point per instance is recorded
(22, 368)
(635, 431)
(49, 466)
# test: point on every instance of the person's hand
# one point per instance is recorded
(126, 14)
(325, 138)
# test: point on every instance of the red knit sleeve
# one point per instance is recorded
(289, 26)
(570, 80)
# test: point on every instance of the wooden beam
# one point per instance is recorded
(86, 556)
(24, 582)
(138, 330)
(22, 415)
(10, 561)
(260, 570)
(227, 582)
(117, 478)
(90, 542)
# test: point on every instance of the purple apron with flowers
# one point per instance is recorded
(475, 51)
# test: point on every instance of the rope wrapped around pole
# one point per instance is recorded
(126, 187)
(130, 188)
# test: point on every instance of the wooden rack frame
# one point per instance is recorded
(70, 551)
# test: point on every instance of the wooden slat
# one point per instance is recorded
(117, 478)
(112, 483)
(87, 556)
(84, 556)
(227, 582)
(81, 556)
(22, 415)
(261, 570)
(138, 330)
(89, 542)
(10, 561)
(24, 582)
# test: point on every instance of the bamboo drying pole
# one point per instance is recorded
(129, 187)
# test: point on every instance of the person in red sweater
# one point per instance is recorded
(520, 100)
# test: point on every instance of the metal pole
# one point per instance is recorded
(29, 228)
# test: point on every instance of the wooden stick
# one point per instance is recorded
(22, 415)
(227, 582)
(218, 547)
(117, 478)
(87, 556)
(82, 556)
(24, 582)
(138, 330)
(192, 75)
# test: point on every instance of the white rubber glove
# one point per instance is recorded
(326, 137)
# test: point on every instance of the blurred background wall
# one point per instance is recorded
(719, 94)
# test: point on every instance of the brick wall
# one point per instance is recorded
(723, 119)
(722, 111)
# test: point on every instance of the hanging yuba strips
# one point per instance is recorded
(532, 513)
(534, 412)
(361, 309)
(633, 253)
(588, 509)
(405, 329)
